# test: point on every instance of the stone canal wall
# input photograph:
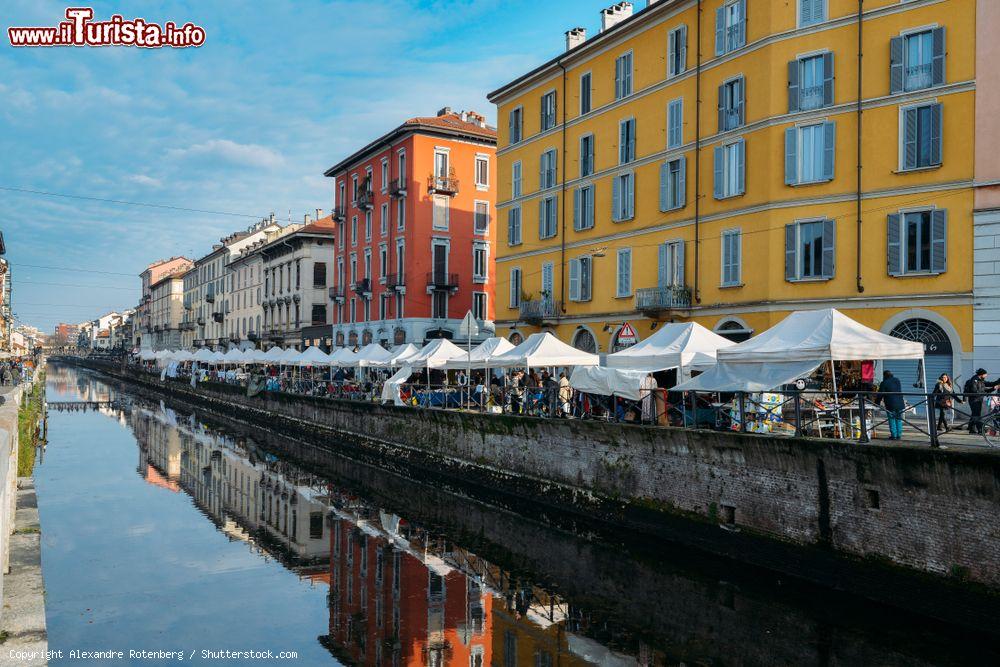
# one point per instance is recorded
(8, 474)
(933, 512)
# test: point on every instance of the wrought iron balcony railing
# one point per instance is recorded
(659, 299)
(439, 280)
(538, 310)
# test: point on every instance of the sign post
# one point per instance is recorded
(468, 328)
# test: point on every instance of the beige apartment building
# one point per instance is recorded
(154, 273)
(166, 310)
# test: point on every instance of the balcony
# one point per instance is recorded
(363, 288)
(156, 328)
(396, 282)
(366, 200)
(397, 187)
(442, 185)
(252, 335)
(201, 321)
(439, 280)
(337, 294)
(339, 214)
(210, 296)
(654, 301)
(217, 317)
(539, 311)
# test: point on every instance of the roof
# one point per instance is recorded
(322, 227)
(446, 125)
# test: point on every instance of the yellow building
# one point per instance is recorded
(628, 201)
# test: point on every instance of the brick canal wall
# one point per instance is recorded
(8, 474)
(934, 512)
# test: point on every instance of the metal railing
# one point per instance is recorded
(394, 281)
(442, 185)
(442, 280)
(531, 310)
(663, 298)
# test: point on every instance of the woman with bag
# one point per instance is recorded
(944, 400)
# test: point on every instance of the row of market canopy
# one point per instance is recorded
(790, 350)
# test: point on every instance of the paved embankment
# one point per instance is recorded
(908, 525)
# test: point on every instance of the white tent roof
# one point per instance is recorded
(390, 389)
(687, 345)
(234, 356)
(313, 356)
(403, 353)
(145, 355)
(435, 354)
(544, 349)
(481, 354)
(274, 355)
(794, 348)
(290, 356)
(344, 357)
(373, 354)
(608, 381)
(255, 356)
(205, 356)
(182, 355)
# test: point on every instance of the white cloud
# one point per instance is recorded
(142, 179)
(252, 155)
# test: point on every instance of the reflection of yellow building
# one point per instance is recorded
(628, 201)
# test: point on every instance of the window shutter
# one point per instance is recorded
(742, 38)
(662, 275)
(790, 269)
(827, 78)
(939, 241)
(829, 149)
(541, 218)
(622, 142)
(829, 248)
(618, 78)
(682, 35)
(623, 272)
(577, 213)
(896, 65)
(894, 254)
(722, 108)
(511, 137)
(672, 37)
(681, 184)
(586, 277)
(680, 265)
(805, 12)
(937, 62)
(741, 85)
(616, 199)
(719, 173)
(664, 193)
(514, 292)
(936, 134)
(793, 86)
(510, 227)
(910, 138)
(791, 156)
(574, 280)
(630, 198)
(738, 257)
(542, 170)
(741, 173)
(720, 31)
(727, 257)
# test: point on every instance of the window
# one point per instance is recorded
(623, 76)
(672, 184)
(439, 305)
(441, 170)
(515, 179)
(479, 265)
(383, 261)
(626, 141)
(675, 123)
(730, 26)
(368, 225)
(354, 189)
(547, 209)
(515, 287)
(548, 110)
(385, 174)
(383, 306)
(624, 282)
(319, 274)
(732, 255)
(583, 208)
(547, 173)
(811, 12)
(368, 264)
(670, 265)
(401, 166)
(731, 106)
(514, 225)
(316, 525)
(810, 83)
(917, 60)
(354, 230)
(479, 306)
(482, 217)
(441, 212)
(515, 122)
(809, 153)
(921, 136)
(509, 649)
(384, 219)
(917, 242)
(730, 177)
(318, 315)
(482, 172)
(623, 197)
(677, 51)
(580, 278)
(585, 93)
(401, 213)
(810, 250)
(586, 155)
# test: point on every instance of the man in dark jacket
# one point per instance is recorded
(975, 388)
(890, 395)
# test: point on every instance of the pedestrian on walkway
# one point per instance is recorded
(976, 388)
(944, 401)
(890, 395)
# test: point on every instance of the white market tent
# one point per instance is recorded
(403, 353)
(373, 355)
(481, 354)
(204, 356)
(794, 348)
(147, 355)
(312, 356)
(274, 355)
(390, 389)
(435, 354)
(182, 355)
(255, 356)
(344, 357)
(608, 381)
(289, 357)
(234, 356)
(541, 350)
(684, 346)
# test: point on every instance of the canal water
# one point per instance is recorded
(166, 530)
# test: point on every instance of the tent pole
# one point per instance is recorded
(836, 397)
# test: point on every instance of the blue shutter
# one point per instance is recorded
(682, 34)
(680, 264)
(741, 173)
(664, 179)
(936, 134)
(742, 38)
(720, 31)
(896, 65)
(741, 102)
(631, 139)
(622, 142)
(663, 274)
(719, 173)
(829, 149)
(829, 248)
(681, 183)
(510, 226)
(894, 253)
(574, 280)
(630, 197)
(910, 138)
(790, 254)
(541, 170)
(722, 108)
(541, 218)
(616, 199)
(618, 78)
(791, 156)
(510, 128)
(793, 86)
(577, 213)
(671, 50)
(938, 62)
(827, 79)
(939, 241)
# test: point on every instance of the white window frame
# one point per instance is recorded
(675, 33)
(728, 235)
(482, 159)
(475, 217)
(581, 222)
(385, 174)
(627, 81)
(519, 227)
(480, 277)
(383, 262)
(519, 111)
(901, 159)
(484, 312)
(401, 214)
(384, 219)
(445, 203)
(550, 157)
(555, 111)
(516, 179)
(623, 290)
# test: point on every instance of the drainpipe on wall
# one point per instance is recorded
(860, 282)
(562, 195)
(697, 156)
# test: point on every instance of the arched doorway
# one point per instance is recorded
(624, 338)
(734, 331)
(584, 341)
(938, 353)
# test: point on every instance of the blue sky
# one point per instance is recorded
(245, 124)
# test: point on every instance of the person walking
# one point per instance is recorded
(944, 400)
(565, 394)
(890, 395)
(647, 391)
(976, 388)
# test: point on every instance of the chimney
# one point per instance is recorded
(270, 220)
(615, 14)
(319, 213)
(444, 112)
(575, 38)
(306, 219)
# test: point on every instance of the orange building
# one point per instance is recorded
(415, 232)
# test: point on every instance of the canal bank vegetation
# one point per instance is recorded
(28, 422)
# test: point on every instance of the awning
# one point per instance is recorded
(688, 345)
(608, 381)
